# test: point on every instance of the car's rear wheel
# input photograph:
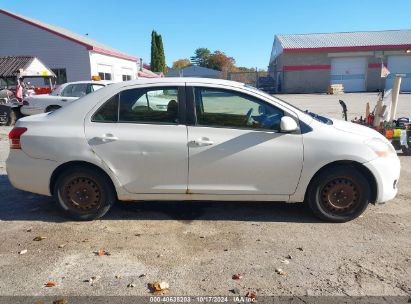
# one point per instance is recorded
(84, 193)
(52, 108)
(338, 194)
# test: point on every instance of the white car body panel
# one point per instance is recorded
(229, 165)
(155, 162)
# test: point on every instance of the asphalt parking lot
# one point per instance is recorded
(197, 247)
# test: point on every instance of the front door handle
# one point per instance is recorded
(202, 142)
(64, 100)
(108, 137)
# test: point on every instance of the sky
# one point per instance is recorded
(243, 29)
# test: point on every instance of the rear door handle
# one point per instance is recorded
(201, 142)
(108, 137)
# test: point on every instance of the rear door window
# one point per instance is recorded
(145, 105)
(154, 105)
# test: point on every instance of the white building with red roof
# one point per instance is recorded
(72, 57)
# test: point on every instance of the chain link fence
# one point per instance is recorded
(258, 79)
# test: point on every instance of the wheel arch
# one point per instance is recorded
(52, 106)
(356, 165)
(60, 169)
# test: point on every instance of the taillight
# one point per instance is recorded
(14, 137)
(25, 103)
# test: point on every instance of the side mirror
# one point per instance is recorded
(288, 124)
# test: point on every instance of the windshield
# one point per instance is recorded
(56, 91)
(317, 117)
(271, 96)
(323, 119)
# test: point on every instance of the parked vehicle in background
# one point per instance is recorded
(217, 140)
(17, 76)
(60, 97)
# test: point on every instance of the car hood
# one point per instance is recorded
(356, 129)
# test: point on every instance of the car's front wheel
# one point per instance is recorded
(84, 193)
(338, 194)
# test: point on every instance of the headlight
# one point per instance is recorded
(381, 147)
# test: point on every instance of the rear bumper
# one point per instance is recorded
(27, 110)
(29, 174)
(386, 171)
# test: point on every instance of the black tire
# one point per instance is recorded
(397, 146)
(338, 194)
(52, 108)
(406, 150)
(12, 118)
(84, 193)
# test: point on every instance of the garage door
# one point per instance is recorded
(399, 65)
(349, 72)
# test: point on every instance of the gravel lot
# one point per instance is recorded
(197, 247)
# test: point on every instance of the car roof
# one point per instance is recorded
(181, 80)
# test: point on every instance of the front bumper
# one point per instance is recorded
(28, 110)
(29, 174)
(386, 171)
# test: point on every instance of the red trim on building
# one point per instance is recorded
(347, 48)
(306, 67)
(375, 65)
(113, 53)
(88, 46)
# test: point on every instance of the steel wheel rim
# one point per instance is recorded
(82, 194)
(340, 195)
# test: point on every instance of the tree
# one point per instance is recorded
(158, 60)
(220, 61)
(201, 56)
(154, 52)
(181, 63)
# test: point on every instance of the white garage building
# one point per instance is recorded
(305, 63)
(71, 56)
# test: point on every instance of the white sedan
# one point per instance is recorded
(60, 97)
(217, 140)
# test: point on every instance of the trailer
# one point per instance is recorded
(21, 76)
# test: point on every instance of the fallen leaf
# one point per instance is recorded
(118, 276)
(300, 248)
(92, 280)
(39, 238)
(142, 275)
(62, 245)
(159, 288)
(131, 285)
(86, 241)
(285, 262)
(24, 251)
(235, 291)
(50, 284)
(28, 230)
(289, 257)
(237, 276)
(60, 301)
(251, 295)
(280, 271)
(102, 252)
